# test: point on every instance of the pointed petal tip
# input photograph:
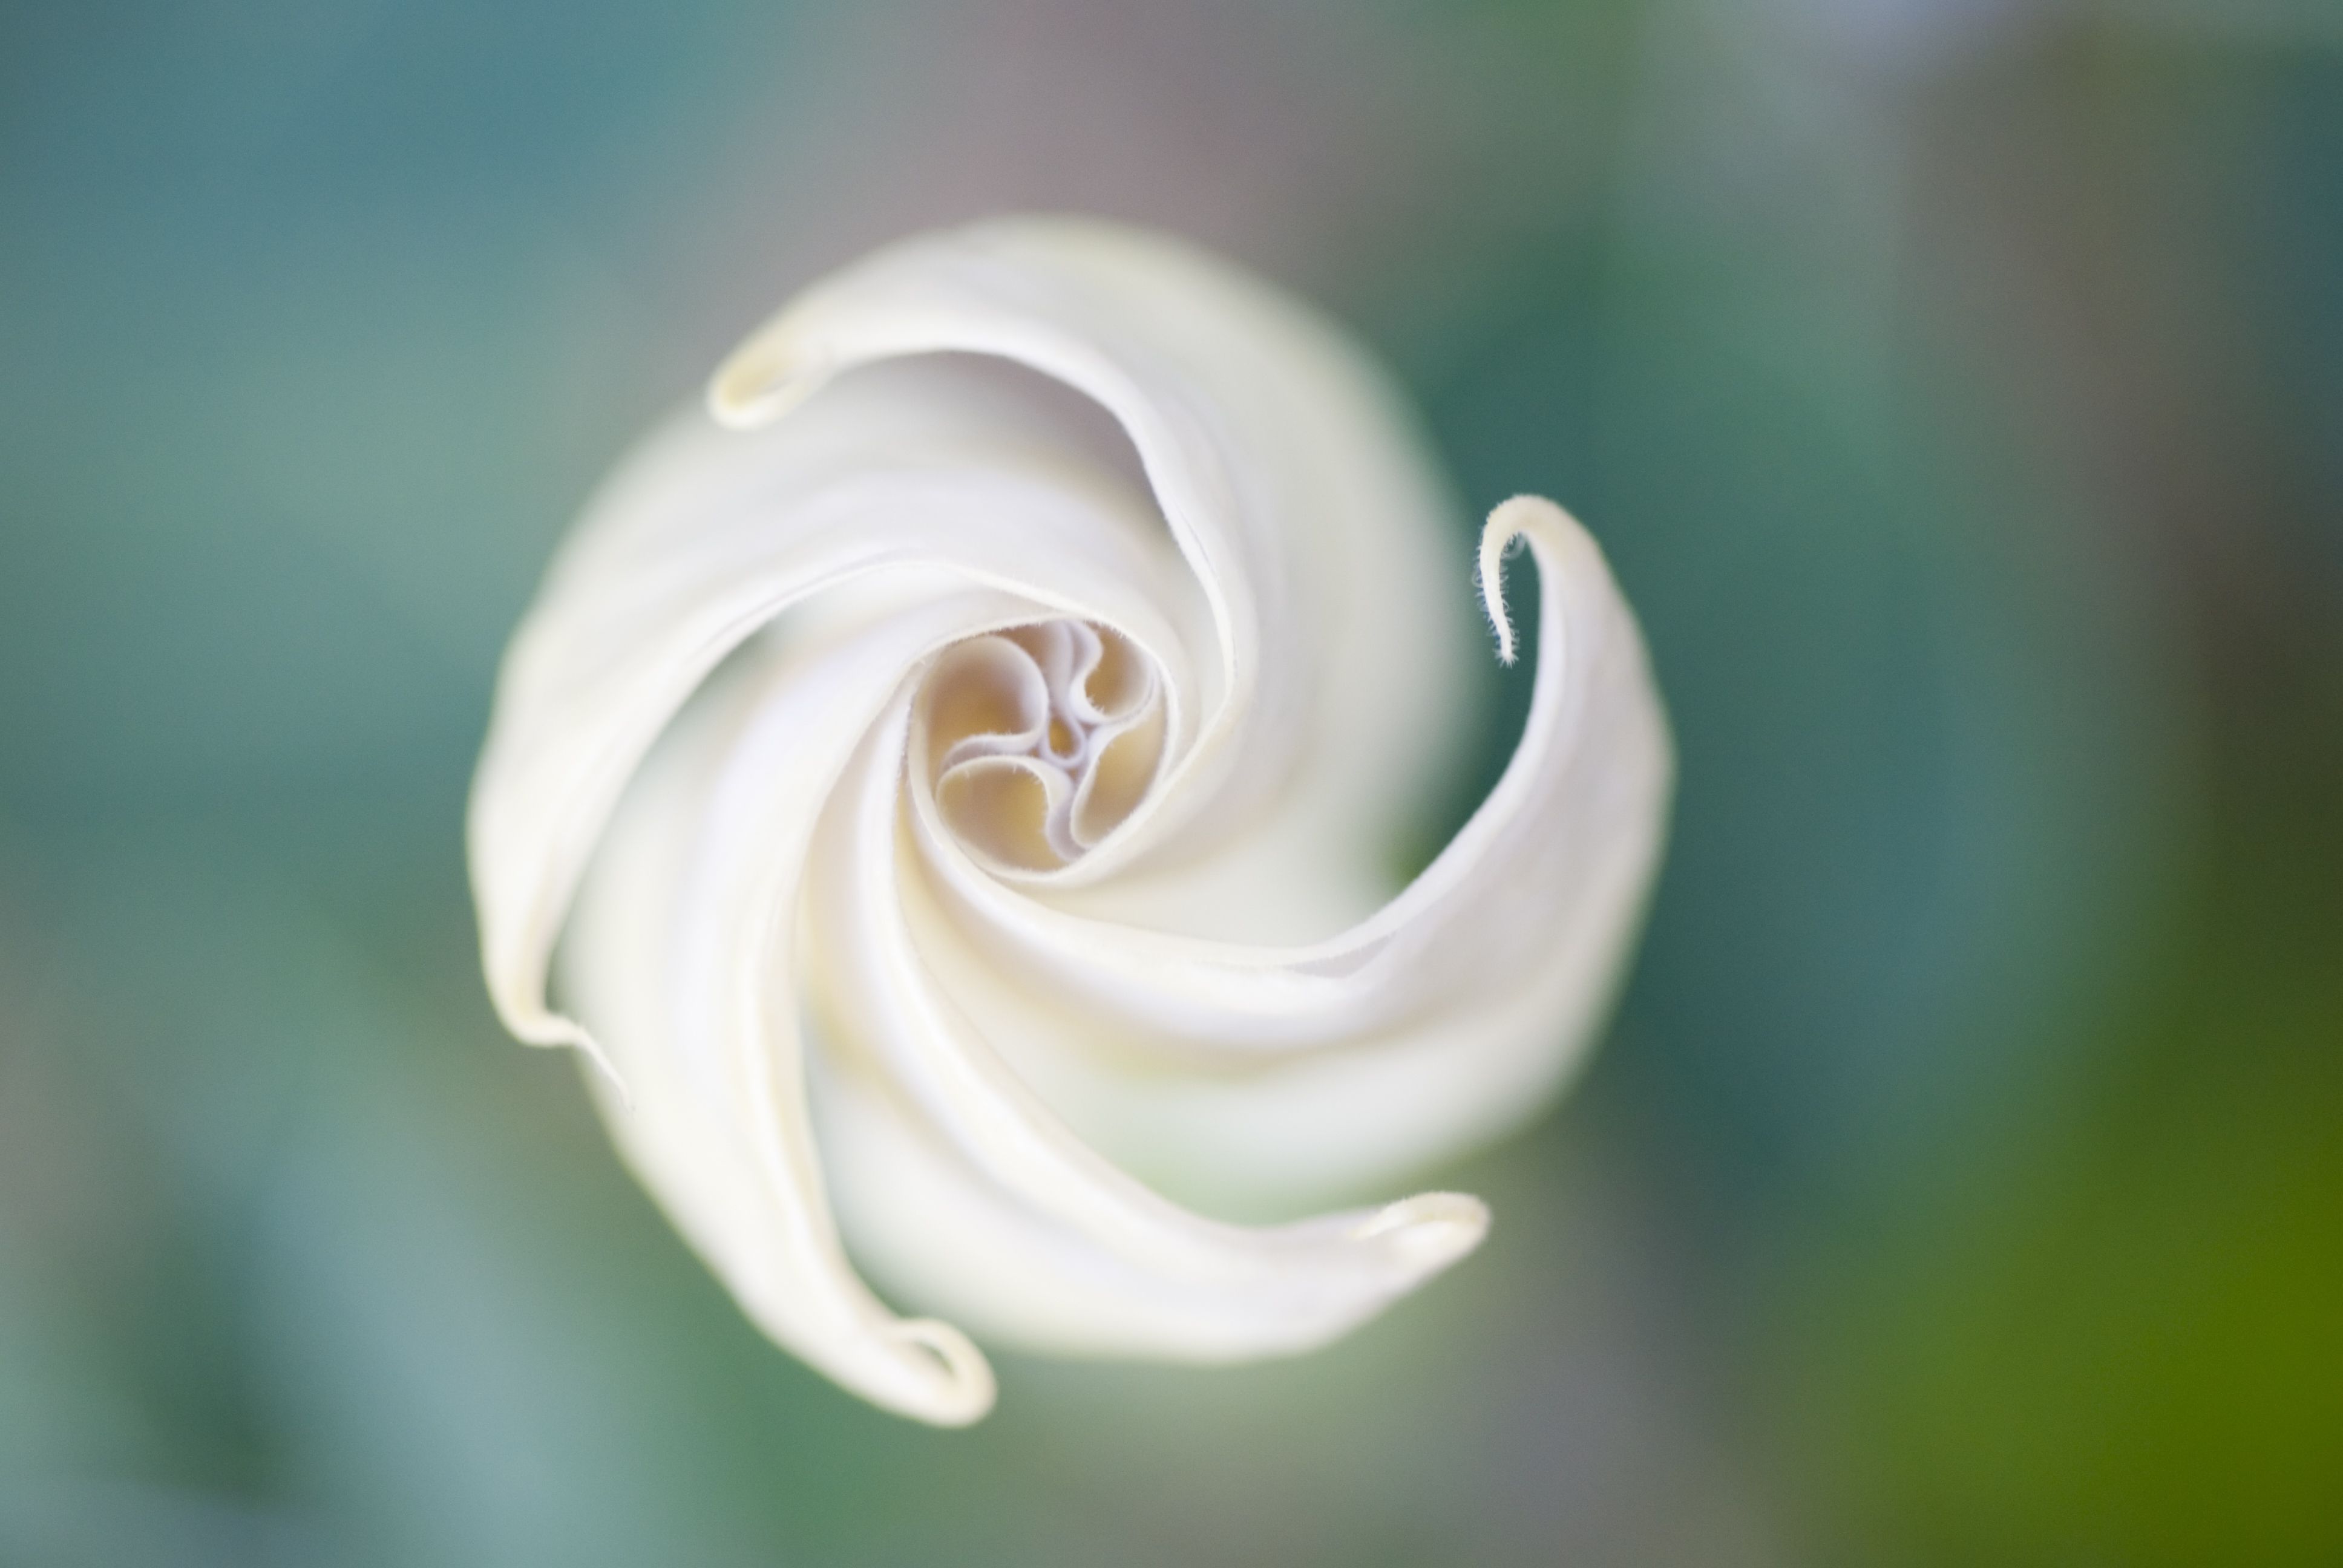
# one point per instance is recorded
(554, 1031)
(1430, 1231)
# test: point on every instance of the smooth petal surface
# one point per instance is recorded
(966, 815)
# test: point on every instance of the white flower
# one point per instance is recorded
(908, 756)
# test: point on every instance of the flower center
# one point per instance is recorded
(1041, 740)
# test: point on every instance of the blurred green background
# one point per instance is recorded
(1958, 385)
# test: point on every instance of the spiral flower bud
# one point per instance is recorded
(958, 774)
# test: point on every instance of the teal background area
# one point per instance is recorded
(1957, 388)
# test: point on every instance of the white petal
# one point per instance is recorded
(1055, 1245)
(1450, 1013)
(703, 537)
(1294, 485)
(1057, 802)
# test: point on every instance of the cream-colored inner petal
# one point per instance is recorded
(1043, 740)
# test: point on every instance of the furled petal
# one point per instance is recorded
(999, 798)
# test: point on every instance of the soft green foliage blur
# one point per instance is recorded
(1957, 387)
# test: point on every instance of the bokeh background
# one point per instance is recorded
(1958, 385)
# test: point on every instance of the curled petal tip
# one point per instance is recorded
(1430, 1231)
(956, 1386)
(1509, 521)
(765, 379)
